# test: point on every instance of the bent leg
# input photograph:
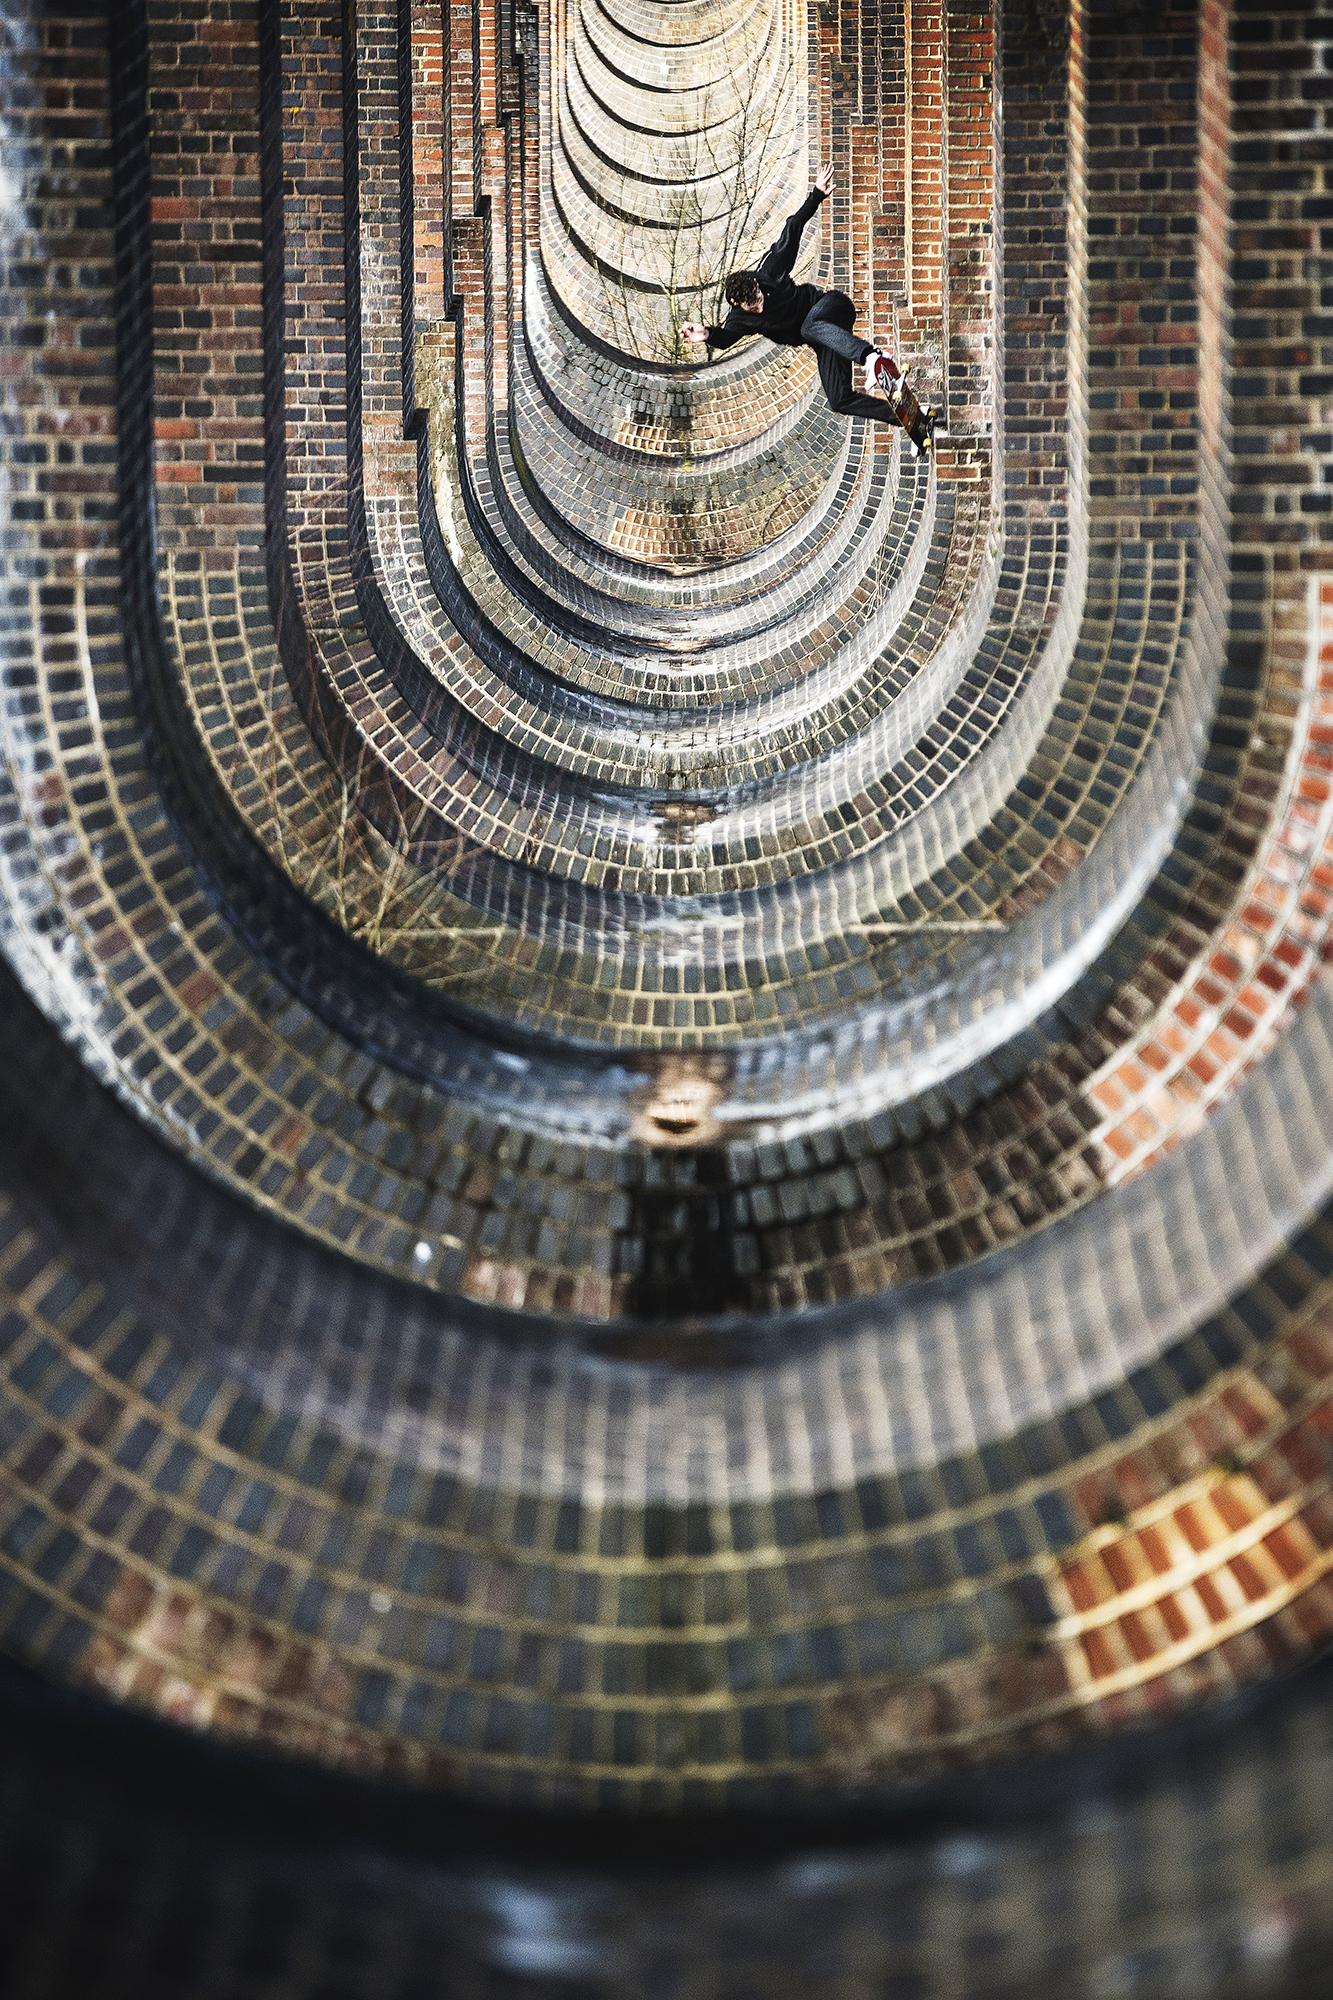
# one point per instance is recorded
(828, 329)
(835, 375)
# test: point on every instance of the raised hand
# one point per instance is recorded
(825, 177)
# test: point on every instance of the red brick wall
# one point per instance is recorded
(1142, 315)
(927, 166)
(208, 358)
(57, 332)
(890, 269)
(911, 93)
(1043, 269)
(1282, 497)
(428, 157)
(971, 194)
(388, 461)
(313, 332)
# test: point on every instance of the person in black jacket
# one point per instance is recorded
(767, 301)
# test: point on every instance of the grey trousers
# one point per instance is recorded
(827, 327)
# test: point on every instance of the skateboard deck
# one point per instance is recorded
(918, 423)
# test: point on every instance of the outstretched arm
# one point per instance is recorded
(734, 328)
(777, 262)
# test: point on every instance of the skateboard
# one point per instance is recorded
(918, 423)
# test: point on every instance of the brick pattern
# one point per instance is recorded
(971, 236)
(941, 718)
(203, 105)
(358, 1606)
(432, 144)
(926, 165)
(1208, 1860)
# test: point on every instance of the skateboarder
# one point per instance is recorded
(766, 301)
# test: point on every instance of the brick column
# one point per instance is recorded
(1214, 150)
(1044, 274)
(460, 93)
(207, 338)
(375, 198)
(971, 242)
(478, 172)
(859, 172)
(429, 136)
(1281, 479)
(312, 360)
(1212, 272)
(890, 255)
(926, 169)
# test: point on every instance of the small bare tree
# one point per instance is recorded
(665, 271)
(349, 839)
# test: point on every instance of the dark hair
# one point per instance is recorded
(743, 288)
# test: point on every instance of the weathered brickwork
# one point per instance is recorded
(713, 1185)
(971, 213)
(432, 141)
(203, 106)
(926, 165)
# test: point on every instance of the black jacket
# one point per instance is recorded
(785, 304)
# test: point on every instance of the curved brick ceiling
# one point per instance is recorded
(670, 1142)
